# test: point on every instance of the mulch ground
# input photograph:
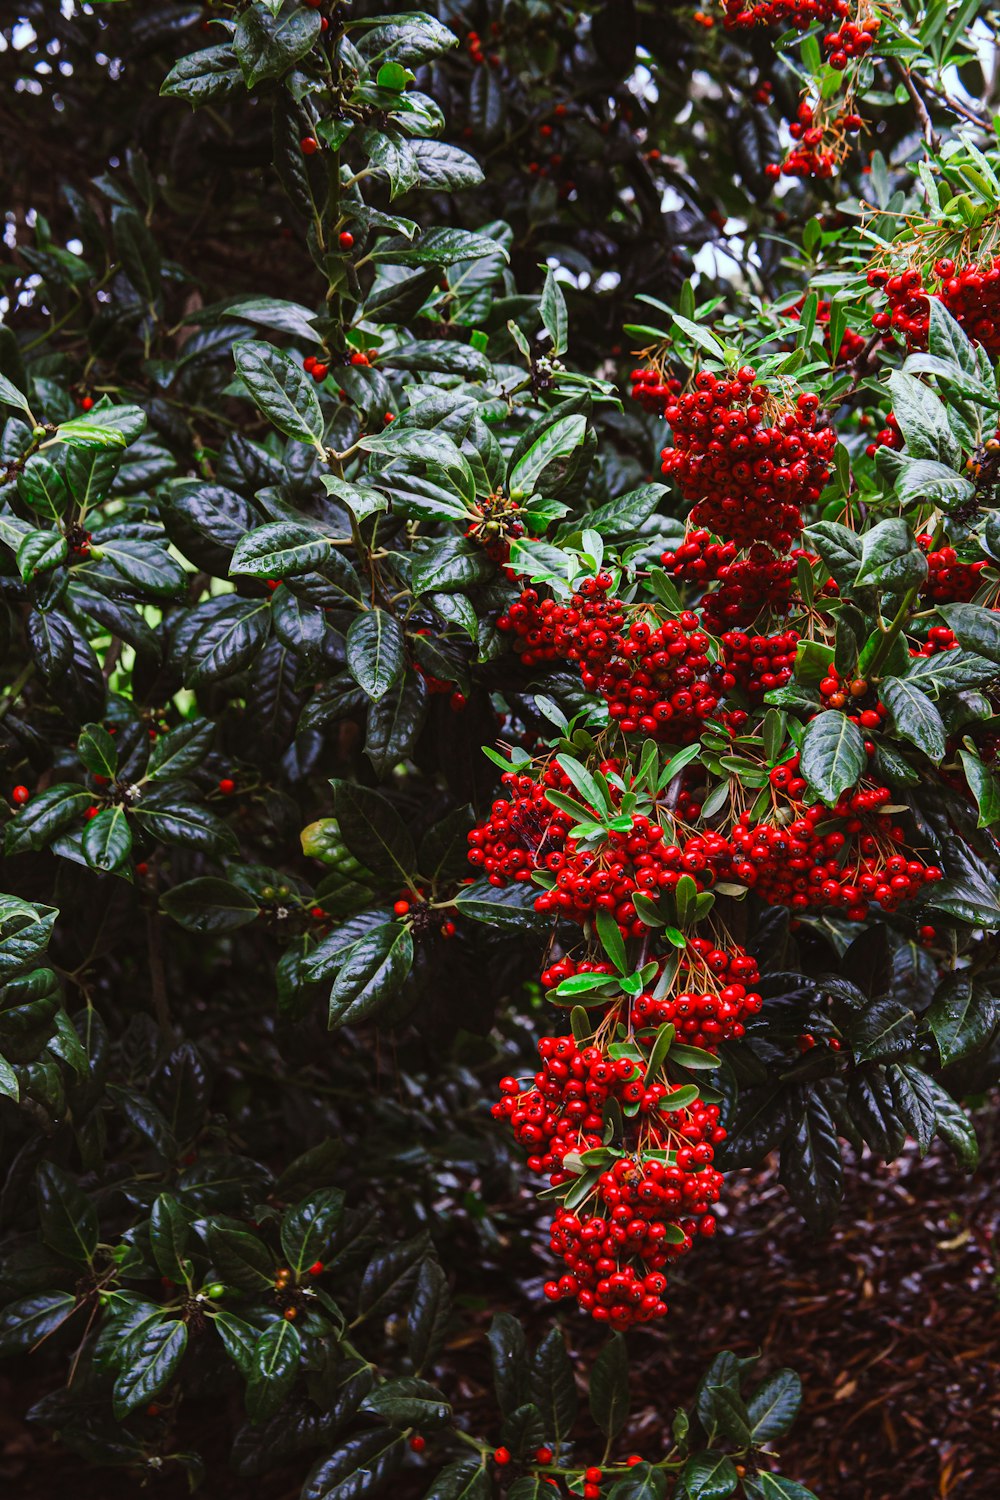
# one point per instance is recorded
(893, 1323)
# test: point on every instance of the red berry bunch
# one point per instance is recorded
(751, 586)
(760, 663)
(655, 678)
(606, 879)
(970, 291)
(715, 1000)
(948, 580)
(524, 833)
(653, 390)
(566, 968)
(698, 559)
(838, 692)
(853, 39)
(581, 630)
(748, 459)
(889, 436)
(740, 15)
(843, 857)
(939, 638)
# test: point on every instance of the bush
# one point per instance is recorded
(319, 479)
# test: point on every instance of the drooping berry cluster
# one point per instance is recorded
(758, 584)
(653, 389)
(524, 833)
(748, 458)
(716, 998)
(653, 1198)
(847, 857)
(760, 663)
(581, 630)
(970, 291)
(698, 559)
(655, 678)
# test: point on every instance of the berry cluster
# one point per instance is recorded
(740, 15)
(948, 580)
(890, 436)
(652, 390)
(523, 834)
(970, 291)
(715, 1001)
(544, 630)
(652, 1200)
(588, 881)
(751, 586)
(654, 678)
(760, 663)
(846, 857)
(748, 459)
(698, 559)
(851, 40)
(939, 638)
(854, 692)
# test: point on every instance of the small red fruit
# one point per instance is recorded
(401, 908)
(359, 358)
(501, 1456)
(543, 1455)
(316, 1269)
(19, 796)
(309, 145)
(417, 1443)
(86, 403)
(319, 372)
(92, 812)
(346, 239)
(227, 786)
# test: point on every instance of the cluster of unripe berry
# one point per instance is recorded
(496, 526)
(970, 290)
(749, 459)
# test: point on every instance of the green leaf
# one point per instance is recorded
(962, 1017)
(954, 1126)
(169, 1232)
(362, 1466)
(774, 1406)
(238, 1338)
(230, 639)
(107, 840)
(609, 1392)
(765, 1486)
(68, 1216)
(267, 45)
(977, 629)
(48, 814)
(279, 550)
(832, 754)
(376, 653)
(187, 825)
(510, 1363)
(708, 1476)
(890, 557)
(914, 715)
(553, 1388)
(371, 973)
(281, 389)
(811, 1168)
(408, 1402)
(209, 904)
(509, 908)
(24, 1323)
(80, 433)
(137, 252)
(462, 1479)
(374, 832)
(275, 1365)
(308, 1228)
(885, 1028)
(557, 442)
(96, 749)
(612, 941)
(203, 77)
(554, 316)
(242, 1259)
(641, 1483)
(11, 396)
(440, 247)
(152, 1364)
(428, 1315)
(984, 787)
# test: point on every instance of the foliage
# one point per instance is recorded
(313, 411)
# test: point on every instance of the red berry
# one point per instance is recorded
(543, 1455)
(501, 1456)
(418, 1443)
(227, 786)
(320, 372)
(401, 908)
(346, 239)
(20, 795)
(309, 145)
(316, 1269)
